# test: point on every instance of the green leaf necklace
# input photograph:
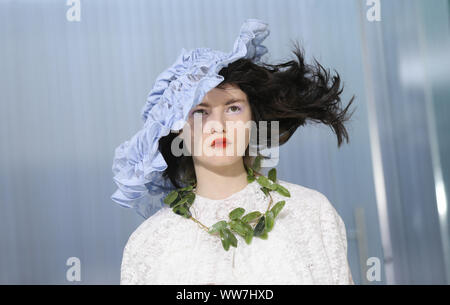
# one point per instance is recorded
(180, 200)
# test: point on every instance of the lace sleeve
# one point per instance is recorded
(128, 274)
(335, 240)
(144, 249)
(133, 266)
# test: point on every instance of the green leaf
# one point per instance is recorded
(283, 191)
(260, 226)
(250, 179)
(277, 208)
(183, 211)
(251, 216)
(273, 175)
(190, 198)
(178, 203)
(263, 181)
(250, 171)
(265, 190)
(217, 227)
(264, 235)
(257, 164)
(187, 188)
(249, 237)
(269, 221)
(272, 187)
(248, 227)
(171, 197)
(225, 241)
(236, 213)
(225, 244)
(238, 227)
(233, 239)
(229, 236)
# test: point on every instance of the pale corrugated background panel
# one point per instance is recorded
(71, 92)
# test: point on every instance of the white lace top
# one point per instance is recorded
(307, 244)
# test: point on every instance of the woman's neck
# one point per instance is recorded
(220, 182)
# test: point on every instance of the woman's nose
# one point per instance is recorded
(215, 122)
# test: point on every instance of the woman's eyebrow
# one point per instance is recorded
(227, 103)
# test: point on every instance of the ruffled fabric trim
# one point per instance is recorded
(138, 164)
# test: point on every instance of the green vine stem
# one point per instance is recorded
(200, 224)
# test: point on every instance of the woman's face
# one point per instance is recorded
(219, 127)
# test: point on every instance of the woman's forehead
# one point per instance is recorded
(217, 96)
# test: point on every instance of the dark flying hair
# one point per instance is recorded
(292, 93)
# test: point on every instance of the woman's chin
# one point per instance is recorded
(219, 161)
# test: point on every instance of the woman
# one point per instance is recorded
(218, 219)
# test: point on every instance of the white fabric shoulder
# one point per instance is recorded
(318, 214)
(148, 240)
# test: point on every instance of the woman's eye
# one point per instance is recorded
(195, 111)
(234, 108)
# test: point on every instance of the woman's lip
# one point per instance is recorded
(219, 142)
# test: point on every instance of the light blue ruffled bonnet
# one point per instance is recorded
(138, 164)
